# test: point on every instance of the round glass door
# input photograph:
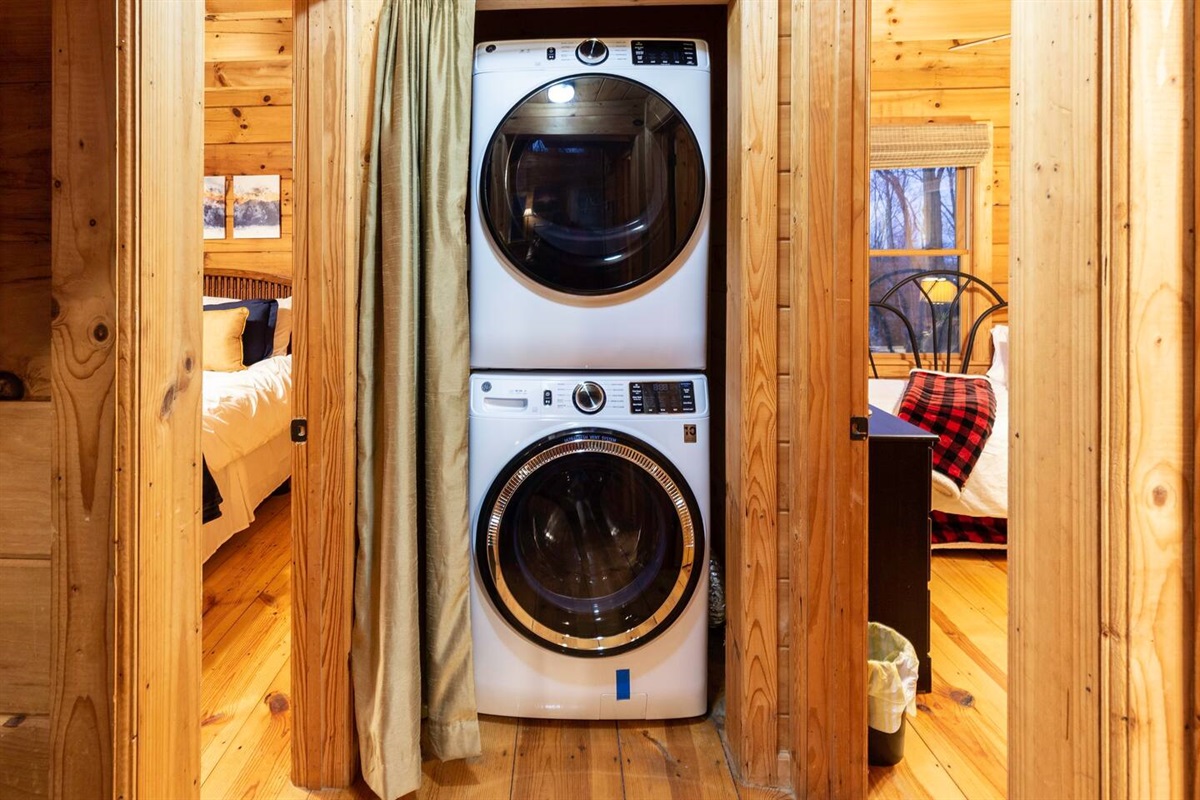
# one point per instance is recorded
(588, 543)
(592, 184)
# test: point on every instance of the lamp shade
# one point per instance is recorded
(939, 290)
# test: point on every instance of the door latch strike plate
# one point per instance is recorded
(300, 430)
(858, 429)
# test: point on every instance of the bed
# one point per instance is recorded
(245, 434)
(904, 303)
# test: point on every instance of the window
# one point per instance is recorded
(919, 221)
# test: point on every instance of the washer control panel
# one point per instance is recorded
(593, 395)
(662, 397)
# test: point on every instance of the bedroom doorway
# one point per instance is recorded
(248, 438)
(938, 239)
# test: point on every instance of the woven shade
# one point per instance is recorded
(955, 145)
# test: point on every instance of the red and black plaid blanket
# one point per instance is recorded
(956, 530)
(960, 409)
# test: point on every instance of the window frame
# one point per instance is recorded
(974, 251)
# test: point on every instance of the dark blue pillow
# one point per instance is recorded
(258, 340)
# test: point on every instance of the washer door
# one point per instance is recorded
(592, 184)
(589, 543)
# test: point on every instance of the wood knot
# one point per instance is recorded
(924, 709)
(168, 401)
(15, 721)
(188, 363)
(237, 112)
(212, 719)
(55, 308)
(100, 333)
(962, 697)
(277, 702)
(1160, 495)
(91, 223)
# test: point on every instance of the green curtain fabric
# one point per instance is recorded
(411, 645)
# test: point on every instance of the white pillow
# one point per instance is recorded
(208, 301)
(999, 369)
(283, 327)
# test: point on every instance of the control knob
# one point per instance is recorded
(589, 397)
(592, 52)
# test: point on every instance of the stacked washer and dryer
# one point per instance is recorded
(589, 417)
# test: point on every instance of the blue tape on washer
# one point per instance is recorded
(622, 684)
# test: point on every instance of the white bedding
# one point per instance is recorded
(985, 494)
(246, 440)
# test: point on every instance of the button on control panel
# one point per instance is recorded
(680, 53)
(662, 398)
(547, 398)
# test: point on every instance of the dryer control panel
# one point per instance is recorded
(571, 56)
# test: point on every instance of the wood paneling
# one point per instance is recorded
(248, 101)
(25, 481)
(334, 78)
(165, 336)
(25, 636)
(24, 757)
(25, 201)
(1150, 253)
(752, 506)
(827, 513)
(85, 334)
(917, 20)
(1103, 267)
(125, 502)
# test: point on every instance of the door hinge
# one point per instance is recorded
(858, 428)
(300, 430)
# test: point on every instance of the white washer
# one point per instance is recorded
(590, 204)
(589, 525)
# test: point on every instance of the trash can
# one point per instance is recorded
(891, 692)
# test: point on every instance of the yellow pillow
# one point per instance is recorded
(223, 329)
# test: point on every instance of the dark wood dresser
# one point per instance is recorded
(898, 531)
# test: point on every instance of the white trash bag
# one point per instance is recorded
(892, 667)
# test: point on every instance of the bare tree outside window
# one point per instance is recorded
(918, 222)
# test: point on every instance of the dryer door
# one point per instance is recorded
(592, 184)
(589, 543)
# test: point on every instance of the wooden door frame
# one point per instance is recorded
(127, 96)
(1102, 630)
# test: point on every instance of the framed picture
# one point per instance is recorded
(256, 207)
(214, 206)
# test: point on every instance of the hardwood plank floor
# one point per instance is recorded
(247, 714)
(957, 747)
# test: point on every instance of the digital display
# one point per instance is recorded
(668, 52)
(662, 398)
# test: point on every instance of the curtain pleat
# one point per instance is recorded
(411, 640)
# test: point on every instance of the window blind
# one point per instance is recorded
(930, 145)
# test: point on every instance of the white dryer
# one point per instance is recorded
(590, 204)
(589, 502)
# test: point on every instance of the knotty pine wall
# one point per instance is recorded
(914, 77)
(25, 427)
(25, 194)
(248, 119)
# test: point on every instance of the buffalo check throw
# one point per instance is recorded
(961, 411)
(956, 530)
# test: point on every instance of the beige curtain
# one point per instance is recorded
(411, 644)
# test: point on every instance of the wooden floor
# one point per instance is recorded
(246, 713)
(957, 746)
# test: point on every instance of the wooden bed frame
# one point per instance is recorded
(968, 286)
(246, 285)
